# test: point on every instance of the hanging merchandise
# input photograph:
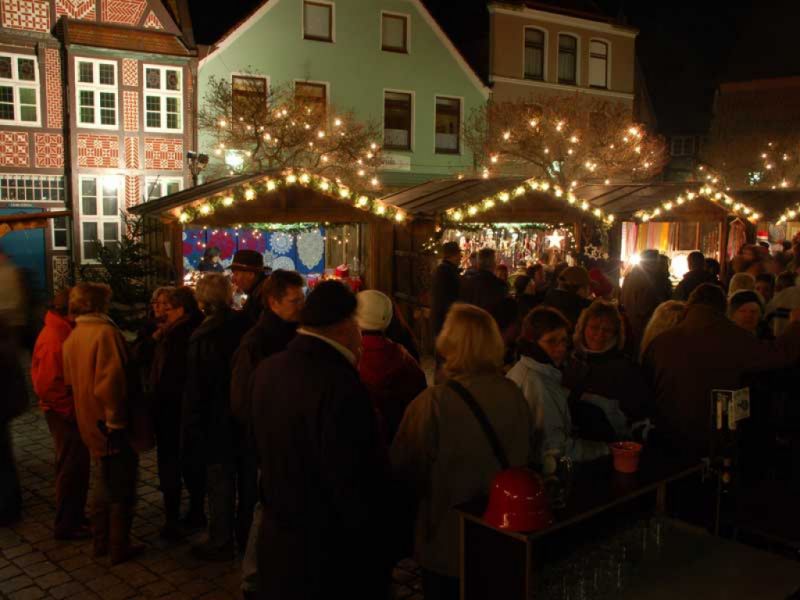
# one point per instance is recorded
(737, 237)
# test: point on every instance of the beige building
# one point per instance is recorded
(539, 49)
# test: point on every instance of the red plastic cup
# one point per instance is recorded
(626, 456)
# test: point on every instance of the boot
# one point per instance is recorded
(121, 519)
(100, 530)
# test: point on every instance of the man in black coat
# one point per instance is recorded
(324, 468)
(249, 276)
(485, 289)
(571, 296)
(445, 287)
(697, 275)
(283, 299)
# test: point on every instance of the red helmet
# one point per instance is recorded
(517, 501)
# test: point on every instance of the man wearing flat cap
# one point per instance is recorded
(249, 276)
(324, 468)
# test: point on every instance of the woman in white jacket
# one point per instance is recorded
(543, 345)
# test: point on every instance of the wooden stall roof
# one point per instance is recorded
(9, 223)
(295, 204)
(123, 38)
(770, 203)
(622, 200)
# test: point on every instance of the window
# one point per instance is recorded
(682, 145)
(448, 125)
(158, 187)
(314, 95)
(100, 219)
(60, 228)
(397, 121)
(318, 21)
(394, 32)
(567, 59)
(19, 90)
(97, 93)
(31, 188)
(534, 54)
(162, 98)
(598, 64)
(248, 97)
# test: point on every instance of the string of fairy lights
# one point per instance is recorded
(709, 193)
(271, 184)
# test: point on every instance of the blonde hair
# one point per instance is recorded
(86, 298)
(741, 281)
(470, 341)
(600, 309)
(214, 292)
(665, 317)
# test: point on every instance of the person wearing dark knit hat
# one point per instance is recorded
(571, 296)
(322, 458)
(746, 309)
(248, 277)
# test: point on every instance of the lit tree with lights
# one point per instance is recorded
(279, 130)
(564, 139)
(746, 160)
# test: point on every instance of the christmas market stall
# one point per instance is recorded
(525, 219)
(675, 219)
(296, 220)
(780, 213)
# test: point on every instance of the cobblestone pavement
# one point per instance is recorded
(33, 565)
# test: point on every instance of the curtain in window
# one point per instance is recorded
(567, 58)
(534, 54)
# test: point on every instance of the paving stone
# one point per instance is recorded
(53, 579)
(156, 589)
(9, 572)
(100, 584)
(18, 551)
(39, 569)
(17, 583)
(66, 590)
(118, 592)
(31, 593)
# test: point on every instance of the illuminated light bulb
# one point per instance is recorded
(718, 195)
(728, 201)
(559, 192)
(472, 210)
(573, 139)
(656, 212)
(227, 201)
(504, 196)
(647, 164)
(747, 211)
(785, 157)
(399, 217)
(361, 173)
(305, 178)
(597, 213)
(573, 184)
(205, 209)
(547, 150)
(610, 218)
(458, 215)
(291, 178)
(360, 162)
(486, 174)
(559, 125)
(223, 123)
(784, 183)
(625, 139)
(519, 191)
(320, 134)
(370, 155)
(488, 203)
(533, 184)
(381, 209)
(545, 186)
(571, 198)
(222, 145)
(374, 181)
(218, 152)
(324, 186)
(587, 164)
(668, 206)
(249, 194)
(645, 218)
(737, 206)
(756, 216)
(769, 167)
(344, 193)
(460, 176)
(506, 135)
(680, 200)
(638, 149)
(534, 122)
(337, 122)
(607, 182)
(494, 158)
(324, 158)
(270, 186)
(183, 217)
(363, 201)
(691, 195)
(570, 152)
(792, 214)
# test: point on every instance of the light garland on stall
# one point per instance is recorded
(249, 191)
(708, 192)
(790, 214)
(468, 211)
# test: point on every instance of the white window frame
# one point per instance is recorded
(16, 83)
(608, 63)
(53, 244)
(577, 37)
(254, 76)
(544, 49)
(162, 94)
(303, 22)
(412, 133)
(96, 87)
(100, 218)
(32, 182)
(682, 139)
(460, 124)
(407, 17)
(161, 182)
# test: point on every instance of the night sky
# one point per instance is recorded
(685, 47)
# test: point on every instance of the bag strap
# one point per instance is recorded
(483, 421)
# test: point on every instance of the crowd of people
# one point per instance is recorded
(306, 433)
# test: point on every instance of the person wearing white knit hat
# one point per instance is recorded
(392, 376)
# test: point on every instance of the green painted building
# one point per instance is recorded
(387, 61)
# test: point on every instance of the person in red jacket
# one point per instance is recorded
(55, 400)
(391, 375)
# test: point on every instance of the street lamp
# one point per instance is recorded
(197, 162)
